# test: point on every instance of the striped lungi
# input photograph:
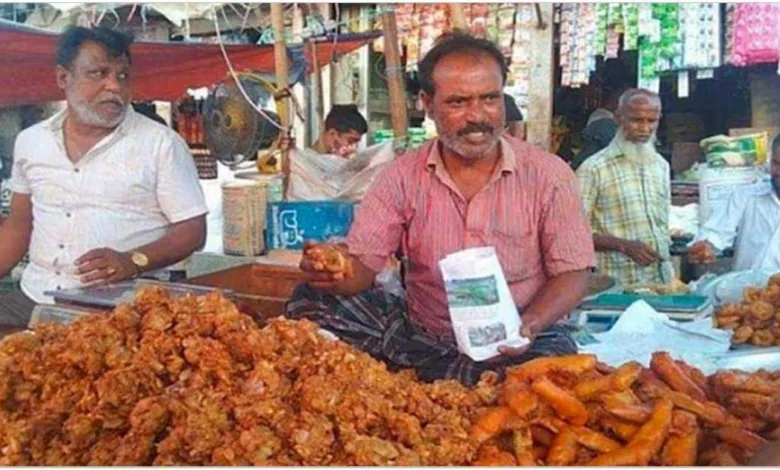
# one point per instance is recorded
(15, 309)
(378, 323)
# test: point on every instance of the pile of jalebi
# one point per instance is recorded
(756, 320)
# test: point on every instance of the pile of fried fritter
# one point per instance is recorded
(193, 381)
(756, 320)
(573, 410)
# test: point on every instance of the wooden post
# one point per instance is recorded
(457, 18)
(540, 90)
(317, 77)
(395, 78)
(280, 56)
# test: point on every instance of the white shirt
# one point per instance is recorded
(124, 193)
(750, 222)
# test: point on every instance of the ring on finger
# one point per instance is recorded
(111, 271)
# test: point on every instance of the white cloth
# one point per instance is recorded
(598, 115)
(124, 193)
(750, 222)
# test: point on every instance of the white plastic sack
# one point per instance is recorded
(315, 176)
(729, 288)
(483, 313)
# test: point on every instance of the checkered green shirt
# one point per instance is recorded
(628, 200)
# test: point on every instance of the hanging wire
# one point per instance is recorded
(238, 82)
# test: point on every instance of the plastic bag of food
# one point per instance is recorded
(482, 311)
(746, 150)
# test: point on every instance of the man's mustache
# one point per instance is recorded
(476, 127)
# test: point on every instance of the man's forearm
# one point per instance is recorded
(181, 240)
(14, 242)
(604, 242)
(559, 297)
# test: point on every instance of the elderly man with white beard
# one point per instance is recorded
(627, 195)
(101, 194)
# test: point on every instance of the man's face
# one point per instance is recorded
(467, 105)
(342, 143)
(96, 86)
(639, 120)
(774, 169)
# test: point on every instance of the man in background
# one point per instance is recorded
(627, 194)
(599, 130)
(750, 222)
(344, 127)
(514, 118)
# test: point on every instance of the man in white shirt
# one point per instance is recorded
(750, 222)
(101, 194)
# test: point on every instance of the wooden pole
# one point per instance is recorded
(458, 18)
(280, 56)
(395, 78)
(317, 72)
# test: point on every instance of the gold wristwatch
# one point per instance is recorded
(140, 260)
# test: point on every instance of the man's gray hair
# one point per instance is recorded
(636, 93)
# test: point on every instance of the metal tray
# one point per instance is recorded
(111, 295)
(750, 360)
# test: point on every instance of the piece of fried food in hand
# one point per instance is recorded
(330, 258)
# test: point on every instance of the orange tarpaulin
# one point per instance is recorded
(161, 71)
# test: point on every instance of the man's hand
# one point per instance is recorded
(286, 142)
(104, 265)
(314, 274)
(640, 252)
(702, 253)
(526, 331)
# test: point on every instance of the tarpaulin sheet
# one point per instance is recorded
(160, 71)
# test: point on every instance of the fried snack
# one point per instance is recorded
(564, 403)
(637, 414)
(492, 456)
(648, 440)
(650, 386)
(575, 364)
(622, 457)
(192, 381)
(724, 321)
(587, 389)
(756, 319)
(519, 398)
(740, 438)
(491, 422)
(620, 429)
(666, 369)
(682, 446)
(762, 338)
(542, 435)
(563, 450)
(710, 412)
(742, 335)
(593, 440)
(523, 447)
(626, 375)
(329, 258)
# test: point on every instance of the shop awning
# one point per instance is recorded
(161, 71)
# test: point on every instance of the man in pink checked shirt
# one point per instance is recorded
(470, 187)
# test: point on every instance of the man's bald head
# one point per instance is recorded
(638, 114)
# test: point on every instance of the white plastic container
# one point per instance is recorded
(717, 184)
